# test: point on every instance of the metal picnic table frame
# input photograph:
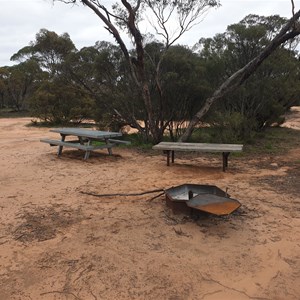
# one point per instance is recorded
(85, 139)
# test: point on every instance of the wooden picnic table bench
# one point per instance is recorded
(87, 140)
(171, 147)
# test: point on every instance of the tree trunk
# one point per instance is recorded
(289, 31)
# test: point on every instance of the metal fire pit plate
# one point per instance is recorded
(207, 198)
(214, 204)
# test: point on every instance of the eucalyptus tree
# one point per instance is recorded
(17, 83)
(57, 101)
(271, 89)
(102, 72)
(281, 36)
(48, 49)
(185, 87)
(56, 98)
(125, 17)
(4, 74)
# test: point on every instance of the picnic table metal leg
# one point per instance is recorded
(225, 160)
(168, 157)
(60, 148)
(87, 152)
(87, 155)
(108, 148)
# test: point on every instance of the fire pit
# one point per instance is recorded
(207, 198)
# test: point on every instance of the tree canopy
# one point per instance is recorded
(159, 89)
(272, 88)
(287, 33)
(126, 15)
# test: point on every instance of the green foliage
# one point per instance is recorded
(263, 99)
(55, 98)
(65, 84)
(58, 103)
(184, 86)
(274, 140)
(233, 127)
(137, 141)
(49, 50)
(18, 82)
(9, 113)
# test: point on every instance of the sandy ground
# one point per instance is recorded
(58, 242)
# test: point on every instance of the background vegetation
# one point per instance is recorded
(59, 84)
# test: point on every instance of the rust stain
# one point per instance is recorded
(219, 209)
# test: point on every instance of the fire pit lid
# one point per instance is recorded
(214, 204)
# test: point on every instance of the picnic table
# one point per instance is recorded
(171, 147)
(85, 139)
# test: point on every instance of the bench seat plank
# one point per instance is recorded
(72, 144)
(225, 149)
(201, 147)
(119, 141)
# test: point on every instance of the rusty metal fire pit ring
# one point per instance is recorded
(206, 198)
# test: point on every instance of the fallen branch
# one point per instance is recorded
(60, 292)
(124, 194)
(208, 278)
(151, 199)
(180, 232)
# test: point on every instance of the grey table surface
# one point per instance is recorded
(88, 133)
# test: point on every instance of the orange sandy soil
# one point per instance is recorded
(58, 242)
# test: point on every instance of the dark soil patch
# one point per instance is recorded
(288, 184)
(43, 223)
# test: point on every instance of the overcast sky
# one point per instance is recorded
(20, 20)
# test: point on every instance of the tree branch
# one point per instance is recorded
(289, 31)
(110, 27)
